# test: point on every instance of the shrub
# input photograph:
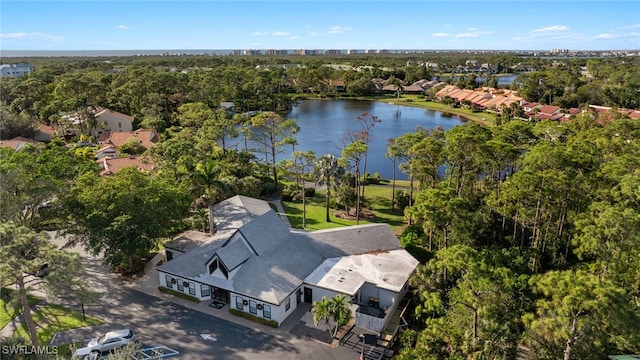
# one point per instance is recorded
(178, 294)
(287, 195)
(259, 320)
(309, 192)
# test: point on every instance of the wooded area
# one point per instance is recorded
(530, 240)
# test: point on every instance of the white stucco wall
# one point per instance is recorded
(318, 293)
(115, 122)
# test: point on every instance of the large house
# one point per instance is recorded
(14, 70)
(258, 265)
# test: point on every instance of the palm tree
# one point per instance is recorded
(340, 312)
(321, 310)
(335, 310)
(208, 183)
(328, 169)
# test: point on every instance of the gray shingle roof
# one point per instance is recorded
(272, 260)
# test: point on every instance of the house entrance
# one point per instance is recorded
(308, 295)
(221, 295)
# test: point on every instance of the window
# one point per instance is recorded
(213, 266)
(205, 290)
(168, 279)
(252, 307)
(192, 288)
(239, 305)
(266, 311)
(181, 285)
(287, 304)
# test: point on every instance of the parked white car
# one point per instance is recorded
(109, 341)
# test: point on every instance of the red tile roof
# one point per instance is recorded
(112, 166)
(18, 142)
(146, 137)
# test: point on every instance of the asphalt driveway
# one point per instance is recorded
(194, 334)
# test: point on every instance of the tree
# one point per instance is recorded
(33, 179)
(207, 182)
(579, 313)
(24, 252)
(334, 310)
(124, 215)
(303, 161)
(477, 313)
(269, 130)
(352, 154)
(367, 122)
(328, 172)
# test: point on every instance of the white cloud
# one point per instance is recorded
(440, 35)
(29, 36)
(122, 27)
(338, 29)
(471, 33)
(294, 37)
(281, 33)
(551, 29)
(606, 36)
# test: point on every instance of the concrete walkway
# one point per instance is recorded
(278, 204)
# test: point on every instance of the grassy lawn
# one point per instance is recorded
(52, 318)
(377, 198)
(483, 118)
(12, 309)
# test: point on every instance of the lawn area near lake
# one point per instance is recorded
(483, 118)
(376, 198)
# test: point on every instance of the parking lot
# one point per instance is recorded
(194, 331)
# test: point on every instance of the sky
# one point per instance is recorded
(327, 24)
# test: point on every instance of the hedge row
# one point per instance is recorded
(178, 294)
(259, 320)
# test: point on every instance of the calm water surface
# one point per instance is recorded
(324, 123)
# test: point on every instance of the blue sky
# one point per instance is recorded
(211, 25)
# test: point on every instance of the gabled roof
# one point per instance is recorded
(18, 142)
(103, 111)
(269, 260)
(549, 109)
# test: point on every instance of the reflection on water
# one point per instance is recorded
(324, 123)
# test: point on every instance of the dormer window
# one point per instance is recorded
(217, 264)
(213, 266)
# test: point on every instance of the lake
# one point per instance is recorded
(324, 123)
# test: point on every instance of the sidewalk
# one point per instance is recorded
(278, 204)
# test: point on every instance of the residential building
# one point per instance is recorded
(14, 70)
(19, 142)
(258, 265)
(111, 166)
(113, 121)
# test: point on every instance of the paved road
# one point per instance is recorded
(159, 322)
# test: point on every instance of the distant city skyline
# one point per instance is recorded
(263, 25)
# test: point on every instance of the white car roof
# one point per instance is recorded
(118, 333)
